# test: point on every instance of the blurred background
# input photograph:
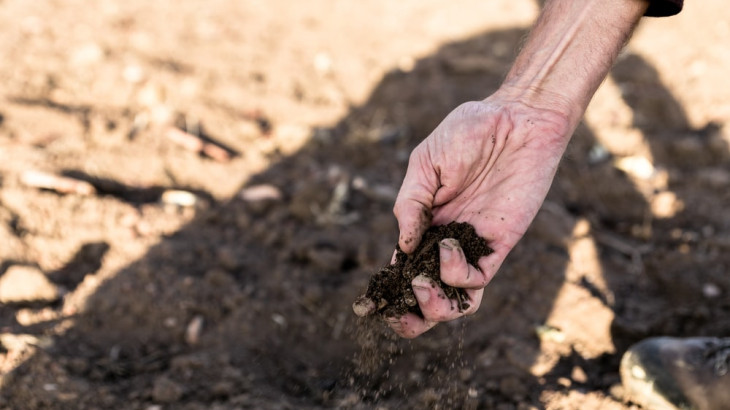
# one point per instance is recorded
(193, 193)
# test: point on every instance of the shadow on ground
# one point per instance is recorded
(272, 281)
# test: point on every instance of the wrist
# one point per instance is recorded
(569, 52)
(559, 104)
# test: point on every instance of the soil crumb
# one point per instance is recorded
(389, 291)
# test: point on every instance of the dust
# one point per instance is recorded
(388, 366)
(380, 349)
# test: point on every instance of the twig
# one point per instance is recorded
(60, 184)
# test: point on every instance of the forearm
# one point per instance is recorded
(570, 51)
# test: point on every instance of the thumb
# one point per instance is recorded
(414, 202)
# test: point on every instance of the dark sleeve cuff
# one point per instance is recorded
(662, 8)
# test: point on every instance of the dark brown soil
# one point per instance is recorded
(390, 288)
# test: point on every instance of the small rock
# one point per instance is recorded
(597, 154)
(87, 54)
(465, 375)
(263, 192)
(228, 259)
(133, 74)
(57, 183)
(193, 331)
(513, 387)
(18, 342)
(711, 291)
(279, 319)
(579, 375)
(223, 389)
(151, 96)
(666, 204)
(322, 63)
(636, 166)
(166, 391)
(179, 198)
(550, 333)
(26, 284)
(617, 391)
(220, 279)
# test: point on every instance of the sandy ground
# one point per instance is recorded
(232, 168)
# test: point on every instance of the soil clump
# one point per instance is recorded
(389, 291)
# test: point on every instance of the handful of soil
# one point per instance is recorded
(389, 292)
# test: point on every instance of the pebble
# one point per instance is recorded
(26, 284)
(550, 333)
(636, 166)
(279, 319)
(223, 389)
(87, 54)
(513, 387)
(16, 342)
(322, 63)
(133, 74)
(711, 291)
(179, 197)
(57, 183)
(194, 329)
(579, 375)
(262, 192)
(666, 205)
(166, 391)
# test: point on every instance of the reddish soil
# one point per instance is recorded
(236, 293)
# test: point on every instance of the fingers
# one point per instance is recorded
(414, 218)
(409, 325)
(456, 271)
(435, 307)
(415, 200)
(434, 304)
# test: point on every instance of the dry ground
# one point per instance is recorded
(239, 296)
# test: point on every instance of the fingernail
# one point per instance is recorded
(421, 287)
(422, 294)
(448, 246)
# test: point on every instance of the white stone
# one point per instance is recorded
(26, 284)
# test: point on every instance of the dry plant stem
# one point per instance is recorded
(196, 144)
(60, 184)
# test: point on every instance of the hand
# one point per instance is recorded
(489, 163)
